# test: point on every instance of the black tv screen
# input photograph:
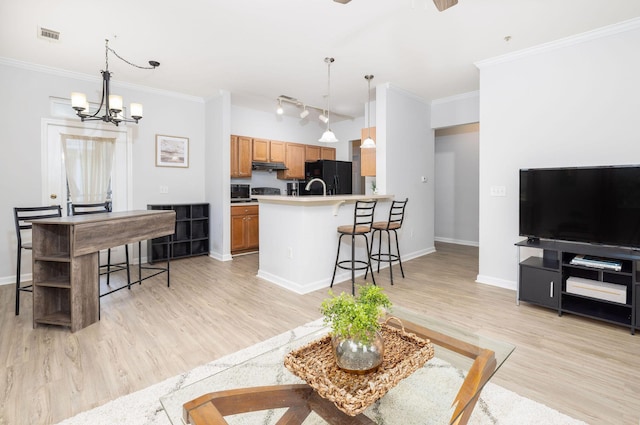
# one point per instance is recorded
(599, 205)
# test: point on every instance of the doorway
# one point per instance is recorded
(54, 178)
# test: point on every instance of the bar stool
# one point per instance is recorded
(23, 217)
(362, 220)
(104, 207)
(396, 217)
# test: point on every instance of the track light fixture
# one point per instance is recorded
(279, 110)
(113, 105)
(304, 113)
(328, 136)
(323, 118)
(368, 143)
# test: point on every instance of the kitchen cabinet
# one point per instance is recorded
(328, 153)
(368, 156)
(241, 153)
(314, 153)
(268, 150)
(294, 161)
(311, 153)
(245, 228)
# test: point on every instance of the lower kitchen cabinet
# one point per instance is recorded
(245, 229)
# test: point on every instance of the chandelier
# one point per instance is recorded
(113, 105)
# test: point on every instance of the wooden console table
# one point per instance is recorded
(65, 260)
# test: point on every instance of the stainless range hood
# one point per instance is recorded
(258, 165)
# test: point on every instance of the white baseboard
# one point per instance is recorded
(457, 241)
(494, 281)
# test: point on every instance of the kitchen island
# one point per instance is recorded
(299, 238)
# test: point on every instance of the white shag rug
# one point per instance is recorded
(497, 406)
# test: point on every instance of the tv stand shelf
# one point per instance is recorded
(542, 280)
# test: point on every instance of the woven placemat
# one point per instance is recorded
(404, 353)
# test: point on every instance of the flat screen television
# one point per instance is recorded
(598, 205)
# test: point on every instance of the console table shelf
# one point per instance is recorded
(542, 280)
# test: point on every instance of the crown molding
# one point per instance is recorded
(91, 78)
(456, 97)
(624, 26)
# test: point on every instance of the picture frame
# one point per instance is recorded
(172, 151)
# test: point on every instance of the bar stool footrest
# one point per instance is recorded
(357, 265)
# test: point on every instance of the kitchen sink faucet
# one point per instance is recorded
(324, 185)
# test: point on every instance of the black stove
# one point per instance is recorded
(265, 191)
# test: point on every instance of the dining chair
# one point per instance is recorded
(23, 217)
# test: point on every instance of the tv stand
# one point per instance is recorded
(558, 280)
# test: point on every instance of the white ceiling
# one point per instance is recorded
(260, 49)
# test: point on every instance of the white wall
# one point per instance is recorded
(404, 154)
(27, 91)
(571, 103)
(455, 110)
(456, 184)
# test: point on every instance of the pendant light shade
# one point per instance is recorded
(328, 136)
(368, 143)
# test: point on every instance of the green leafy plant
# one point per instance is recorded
(356, 317)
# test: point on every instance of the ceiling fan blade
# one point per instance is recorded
(444, 4)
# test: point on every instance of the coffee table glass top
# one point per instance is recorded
(425, 397)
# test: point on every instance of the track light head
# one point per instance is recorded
(279, 110)
(323, 118)
(304, 113)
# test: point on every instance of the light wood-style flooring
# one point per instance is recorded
(586, 369)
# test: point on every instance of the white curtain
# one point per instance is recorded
(88, 162)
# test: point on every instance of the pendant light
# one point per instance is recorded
(328, 136)
(368, 143)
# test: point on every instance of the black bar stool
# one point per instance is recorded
(362, 220)
(97, 208)
(396, 217)
(23, 217)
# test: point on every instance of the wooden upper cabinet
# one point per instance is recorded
(368, 156)
(261, 150)
(277, 151)
(311, 153)
(268, 150)
(241, 152)
(328, 153)
(294, 161)
(314, 153)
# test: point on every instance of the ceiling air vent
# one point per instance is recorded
(48, 34)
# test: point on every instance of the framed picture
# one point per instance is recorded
(172, 151)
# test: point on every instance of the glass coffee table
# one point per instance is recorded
(260, 390)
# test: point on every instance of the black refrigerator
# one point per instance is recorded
(335, 174)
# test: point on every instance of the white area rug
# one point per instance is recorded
(496, 406)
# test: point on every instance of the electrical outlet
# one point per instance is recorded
(164, 189)
(498, 191)
(289, 252)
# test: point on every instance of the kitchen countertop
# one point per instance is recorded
(316, 199)
(244, 204)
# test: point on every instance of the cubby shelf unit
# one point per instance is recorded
(191, 237)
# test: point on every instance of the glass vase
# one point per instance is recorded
(355, 356)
